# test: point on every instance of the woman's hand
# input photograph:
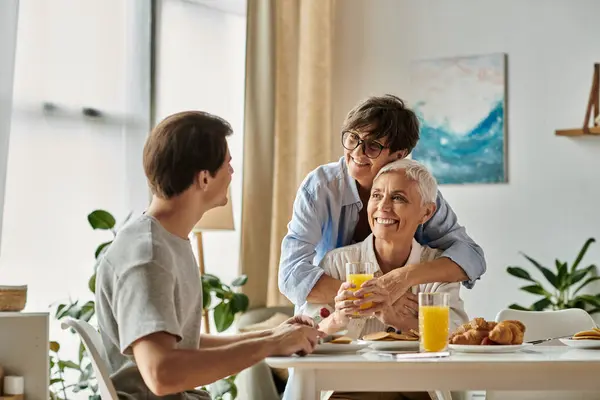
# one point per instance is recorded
(403, 314)
(344, 306)
(375, 293)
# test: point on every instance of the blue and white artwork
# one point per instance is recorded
(460, 103)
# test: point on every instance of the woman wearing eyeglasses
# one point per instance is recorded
(330, 211)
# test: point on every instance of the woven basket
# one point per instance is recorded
(13, 298)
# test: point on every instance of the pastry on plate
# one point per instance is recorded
(487, 333)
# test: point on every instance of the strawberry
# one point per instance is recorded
(324, 313)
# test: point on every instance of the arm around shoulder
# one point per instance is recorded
(444, 232)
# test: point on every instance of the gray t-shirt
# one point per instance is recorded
(147, 281)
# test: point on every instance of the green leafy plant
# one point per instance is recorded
(566, 283)
(228, 304)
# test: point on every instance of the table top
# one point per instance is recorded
(366, 359)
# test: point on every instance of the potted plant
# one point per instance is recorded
(225, 301)
(563, 285)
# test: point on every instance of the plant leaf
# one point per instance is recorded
(240, 281)
(542, 304)
(206, 298)
(54, 346)
(589, 299)
(562, 274)
(101, 249)
(239, 303)
(586, 282)
(536, 289)
(81, 351)
(518, 307)
(582, 252)
(579, 274)
(92, 284)
(68, 364)
(223, 316)
(549, 275)
(593, 311)
(59, 311)
(519, 273)
(212, 280)
(100, 219)
(55, 380)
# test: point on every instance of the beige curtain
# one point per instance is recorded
(287, 126)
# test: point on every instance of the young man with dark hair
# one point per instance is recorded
(148, 290)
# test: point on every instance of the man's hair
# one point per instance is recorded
(417, 172)
(182, 145)
(385, 117)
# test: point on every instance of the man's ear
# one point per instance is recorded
(428, 211)
(202, 179)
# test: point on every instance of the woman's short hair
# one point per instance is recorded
(417, 172)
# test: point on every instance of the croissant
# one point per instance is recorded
(470, 337)
(482, 324)
(460, 330)
(508, 332)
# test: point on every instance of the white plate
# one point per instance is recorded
(332, 348)
(383, 345)
(582, 344)
(463, 348)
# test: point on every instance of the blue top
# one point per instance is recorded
(325, 214)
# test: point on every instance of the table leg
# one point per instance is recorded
(305, 385)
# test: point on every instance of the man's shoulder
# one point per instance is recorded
(134, 245)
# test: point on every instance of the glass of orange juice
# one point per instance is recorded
(359, 273)
(434, 321)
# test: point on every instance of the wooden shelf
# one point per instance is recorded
(592, 111)
(594, 131)
(24, 349)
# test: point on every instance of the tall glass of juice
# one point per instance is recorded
(434, 321)
(359, 273)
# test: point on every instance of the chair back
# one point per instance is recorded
(92, 342)
(549, 324)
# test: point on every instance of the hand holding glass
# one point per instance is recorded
(358, 273)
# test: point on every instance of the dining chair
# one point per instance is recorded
(544, 325)
(92, 342)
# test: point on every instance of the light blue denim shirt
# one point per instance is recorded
(324, 218)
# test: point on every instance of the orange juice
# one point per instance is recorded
(358, 280)
(433, 327)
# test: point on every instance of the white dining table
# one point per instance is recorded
(537, 368)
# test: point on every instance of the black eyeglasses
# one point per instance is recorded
(371, 148)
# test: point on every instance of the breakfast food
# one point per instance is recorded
(342, 340)
(391, 336)
(592, 334)
(487, 333)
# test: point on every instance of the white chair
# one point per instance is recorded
(92, 342)
(545, 325)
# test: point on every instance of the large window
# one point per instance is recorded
(62, 164)
(200, 64)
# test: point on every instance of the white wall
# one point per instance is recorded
(200, 66)
(549, 207)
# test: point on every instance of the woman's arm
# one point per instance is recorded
(298, 276)
(444, 232)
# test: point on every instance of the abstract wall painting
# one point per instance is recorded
(461, 105)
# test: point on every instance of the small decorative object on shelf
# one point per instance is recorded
(14, 388)
(13, 298)
(593, 110)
